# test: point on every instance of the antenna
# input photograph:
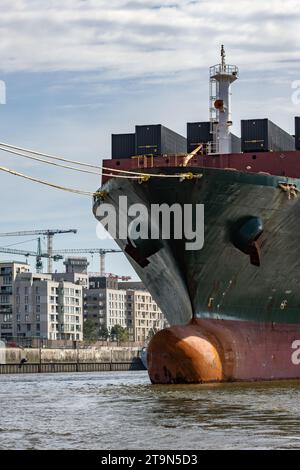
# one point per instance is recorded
(223, 55)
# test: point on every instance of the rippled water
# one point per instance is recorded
(123, 411)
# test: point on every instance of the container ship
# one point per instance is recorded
(234, 305)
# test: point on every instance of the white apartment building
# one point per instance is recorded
(75, 278)
(47, 308)
(143, 315)
(104, 303)
(108, 303)
(8, 272)
(115, 308)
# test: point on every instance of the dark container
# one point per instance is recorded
(262, 135)
(235, 144)
(158, 140)
(198, 133)
(297, 133)
(122, 146)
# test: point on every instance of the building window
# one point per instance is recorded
(26, 299)
(7, 280)
(37, 317)
(38, 308)
(7, 317)
(4, 299)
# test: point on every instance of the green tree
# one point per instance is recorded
(103, 333)
(119, 333)
(90, 332)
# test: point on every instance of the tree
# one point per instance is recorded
(90, 332)
(119, 333)
(103, 332)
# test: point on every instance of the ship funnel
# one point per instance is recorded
(221, 78)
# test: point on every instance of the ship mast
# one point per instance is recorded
(221, 78)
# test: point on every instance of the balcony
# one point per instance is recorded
(5, 271)
(6, 310)
(6, 290)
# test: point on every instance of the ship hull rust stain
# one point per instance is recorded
(208, 350)
(183, 354)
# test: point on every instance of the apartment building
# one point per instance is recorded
(8, 272)
(108, 302)
(105, 303)
(47, 306)
(73, 277)
(143, 315)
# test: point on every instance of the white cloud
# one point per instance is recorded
(139, 38)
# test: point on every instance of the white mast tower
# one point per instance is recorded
(221, 78)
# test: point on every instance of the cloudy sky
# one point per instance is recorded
(78, 70)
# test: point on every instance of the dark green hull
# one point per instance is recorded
(219, 281)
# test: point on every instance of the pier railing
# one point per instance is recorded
(36, 368)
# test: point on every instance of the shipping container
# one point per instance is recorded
(235, 144)
(297, 133)
(262, 135)
(198, 133)
(156, 139)
(122, 146)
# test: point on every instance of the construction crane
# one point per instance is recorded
(101, 251)
(120, 278)
(38, 255)
(48, 233)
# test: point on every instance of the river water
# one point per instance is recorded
(121, 410)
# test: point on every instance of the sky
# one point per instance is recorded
(79, 70)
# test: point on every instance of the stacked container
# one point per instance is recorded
(156, 139)
(122, 145)
(235, 143)
(262, 135)
(297, 133)
(198, 133)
